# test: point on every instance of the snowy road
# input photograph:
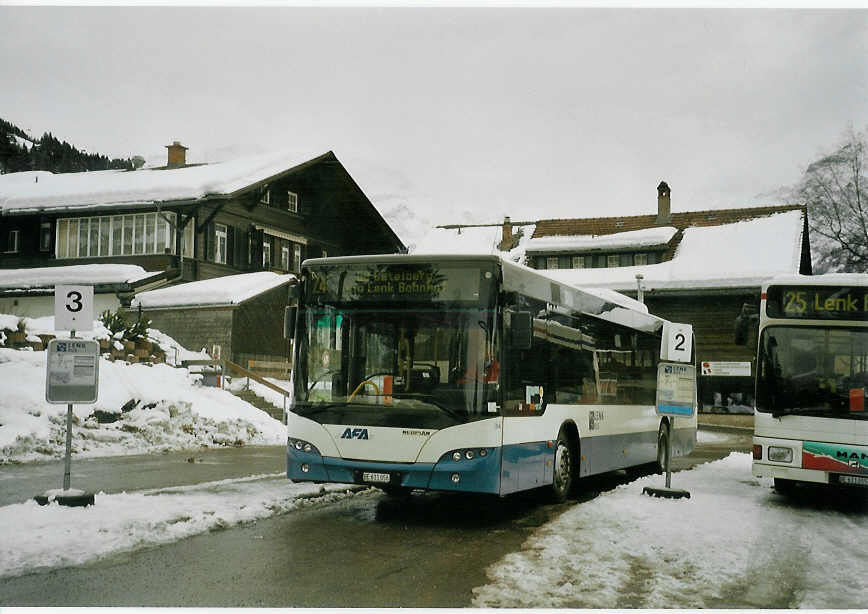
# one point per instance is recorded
(734, 544)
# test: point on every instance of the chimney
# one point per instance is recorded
(506, 236)
(664, 212)
(177, 155)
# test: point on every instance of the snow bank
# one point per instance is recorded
(734, 544)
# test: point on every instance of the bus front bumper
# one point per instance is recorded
(479, 474)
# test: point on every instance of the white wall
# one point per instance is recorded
(40, 306)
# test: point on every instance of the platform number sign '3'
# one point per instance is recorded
(677, 343)
(73, 308)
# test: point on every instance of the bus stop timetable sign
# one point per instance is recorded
(72, 371)
(676, 389)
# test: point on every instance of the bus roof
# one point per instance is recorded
(828, 279)
(602, 303)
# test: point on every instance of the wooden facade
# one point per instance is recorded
(309, 210)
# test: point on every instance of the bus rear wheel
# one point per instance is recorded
(564, 468)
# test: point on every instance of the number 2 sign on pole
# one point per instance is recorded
(73, 308)
(677, 342)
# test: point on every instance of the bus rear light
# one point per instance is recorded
(757, 452)
(780, 455)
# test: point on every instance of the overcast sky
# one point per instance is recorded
(457, 114)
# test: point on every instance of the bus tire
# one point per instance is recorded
(783, 486)
(396, 491)
(662, 447)
(564, 470)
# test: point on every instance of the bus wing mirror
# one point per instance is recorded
(294, 292)
(743, 322)
(521, 330)
(289, 314)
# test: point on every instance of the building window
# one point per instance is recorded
(552, 262)
(45, 236)
(12, 241)
(265, 198)
(221, 239)
(266, 254)
(292, 202)
(578, 262)
(120, 235)
(284, 257)
(640, 259)
(296, 258)
(613, 260)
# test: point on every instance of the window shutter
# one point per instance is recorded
(230, 245)
(210, 235)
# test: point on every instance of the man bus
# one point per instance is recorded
(470, 373)
(810, 423)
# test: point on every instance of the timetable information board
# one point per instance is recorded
(72, 371)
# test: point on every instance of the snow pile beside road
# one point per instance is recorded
(34, 537)
(734, 544)
(141, 409)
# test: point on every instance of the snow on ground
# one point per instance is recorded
(140, 409)
(734, 543)
(34, 537)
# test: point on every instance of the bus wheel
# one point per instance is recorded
(396, 491)
(564, 468)
(662, 447)
(783, 486)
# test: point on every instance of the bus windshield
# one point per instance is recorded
(813, 371)
(411, 346)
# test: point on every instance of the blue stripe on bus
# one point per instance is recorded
(480, 474)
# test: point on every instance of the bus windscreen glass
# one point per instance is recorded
(410, 346)
(813, 371)
(817, 302)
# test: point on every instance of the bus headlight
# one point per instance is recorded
(302, 446)
(466, 454)
(780, 455)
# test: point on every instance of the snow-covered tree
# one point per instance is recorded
(834, 189)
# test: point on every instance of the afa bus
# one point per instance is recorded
(470, 374)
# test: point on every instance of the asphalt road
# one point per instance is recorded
(367, 550)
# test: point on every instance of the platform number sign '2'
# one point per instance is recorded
(73, 308)
(677, 342)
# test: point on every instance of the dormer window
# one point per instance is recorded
(639, 259)
(552, 262)
(578, 262)
(292, 202)
(265, 199)
(613, 260)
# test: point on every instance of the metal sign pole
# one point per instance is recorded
(669, 452)
(67, 463)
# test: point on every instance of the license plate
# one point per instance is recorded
(376, 478)
(855, 480)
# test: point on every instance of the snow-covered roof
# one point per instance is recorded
(744, 254)
(646, 237)
(221, 291)
(82, 274)
(42, 190)
(472, 240)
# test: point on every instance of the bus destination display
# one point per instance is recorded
(817, 302)
(391, 283)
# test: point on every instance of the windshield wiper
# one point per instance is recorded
(429, 399)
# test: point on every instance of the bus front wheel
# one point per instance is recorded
(564, 468)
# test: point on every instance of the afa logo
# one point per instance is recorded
(355, 434)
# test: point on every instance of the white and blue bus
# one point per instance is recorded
(470, 373)
(811, 419)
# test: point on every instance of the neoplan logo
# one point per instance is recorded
(355, 434)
